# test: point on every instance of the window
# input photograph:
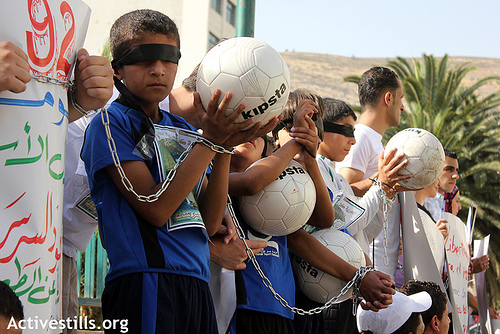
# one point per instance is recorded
(216, 5)
(231, 13)
(212, 40)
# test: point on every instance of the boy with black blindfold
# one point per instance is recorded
(155, 206)
(338, 137)
(338, 127)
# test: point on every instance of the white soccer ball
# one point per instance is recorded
(320, 286)
(425, 156)
(253, 71)
(283, 206)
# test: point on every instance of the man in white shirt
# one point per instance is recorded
(447, 181)
(381, 98)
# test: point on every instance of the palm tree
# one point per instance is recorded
(464, 122)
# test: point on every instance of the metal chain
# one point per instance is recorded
(171, 174)
(386, 206)
(46, 79)
(72, 99)
(125, 181)
(215, 147)
(355, 282)
(400, 268)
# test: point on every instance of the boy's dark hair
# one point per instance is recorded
(438, 297)
(450, 154)
(131, 26)
(335, 110)
(190, 82)
(10, 305)
(374, 82)
(410, 326)
(293, 102)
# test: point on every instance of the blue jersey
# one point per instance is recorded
(133, 245)
(274, 261)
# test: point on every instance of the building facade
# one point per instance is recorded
(201, 23)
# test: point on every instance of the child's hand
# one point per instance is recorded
(215, 125)
(478, 264)
(376, 289)
(227, 229)
(389, 166)
(442, 225)
(14, 68)
(93, 79)
(232, 255)
(305, 108)
(254, 132)
(306, 136)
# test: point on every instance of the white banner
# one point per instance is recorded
(481, 248)
(33, 128)
(419, 262)
(457, 257)
(418, 259)
(495, 326)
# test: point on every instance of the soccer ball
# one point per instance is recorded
(283, 206)
(320, 286)
(253, 71)
(425, 156)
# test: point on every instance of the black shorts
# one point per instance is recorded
(154, 303)
(311, 324)
(251, 322)
(339, 318)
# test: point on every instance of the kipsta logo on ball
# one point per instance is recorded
(252, 71)
(283, 206)
(318, 285)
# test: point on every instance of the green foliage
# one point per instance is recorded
(465, 122)
(106, 51)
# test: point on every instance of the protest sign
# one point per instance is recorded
(33, 128)
(457, 257)
(419, 256)
(419, 261)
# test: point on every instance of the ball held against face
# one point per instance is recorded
(252, 71)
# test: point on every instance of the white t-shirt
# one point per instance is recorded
(78, 224)
(364, 157)
(366, 228)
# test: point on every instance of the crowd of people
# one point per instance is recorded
(165, 242)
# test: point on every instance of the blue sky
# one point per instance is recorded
(381, 28)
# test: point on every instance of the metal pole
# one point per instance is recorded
(245, 18)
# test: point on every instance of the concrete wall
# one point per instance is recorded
(194, 19)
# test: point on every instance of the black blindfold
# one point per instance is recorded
(338, 128)
(146, 52)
